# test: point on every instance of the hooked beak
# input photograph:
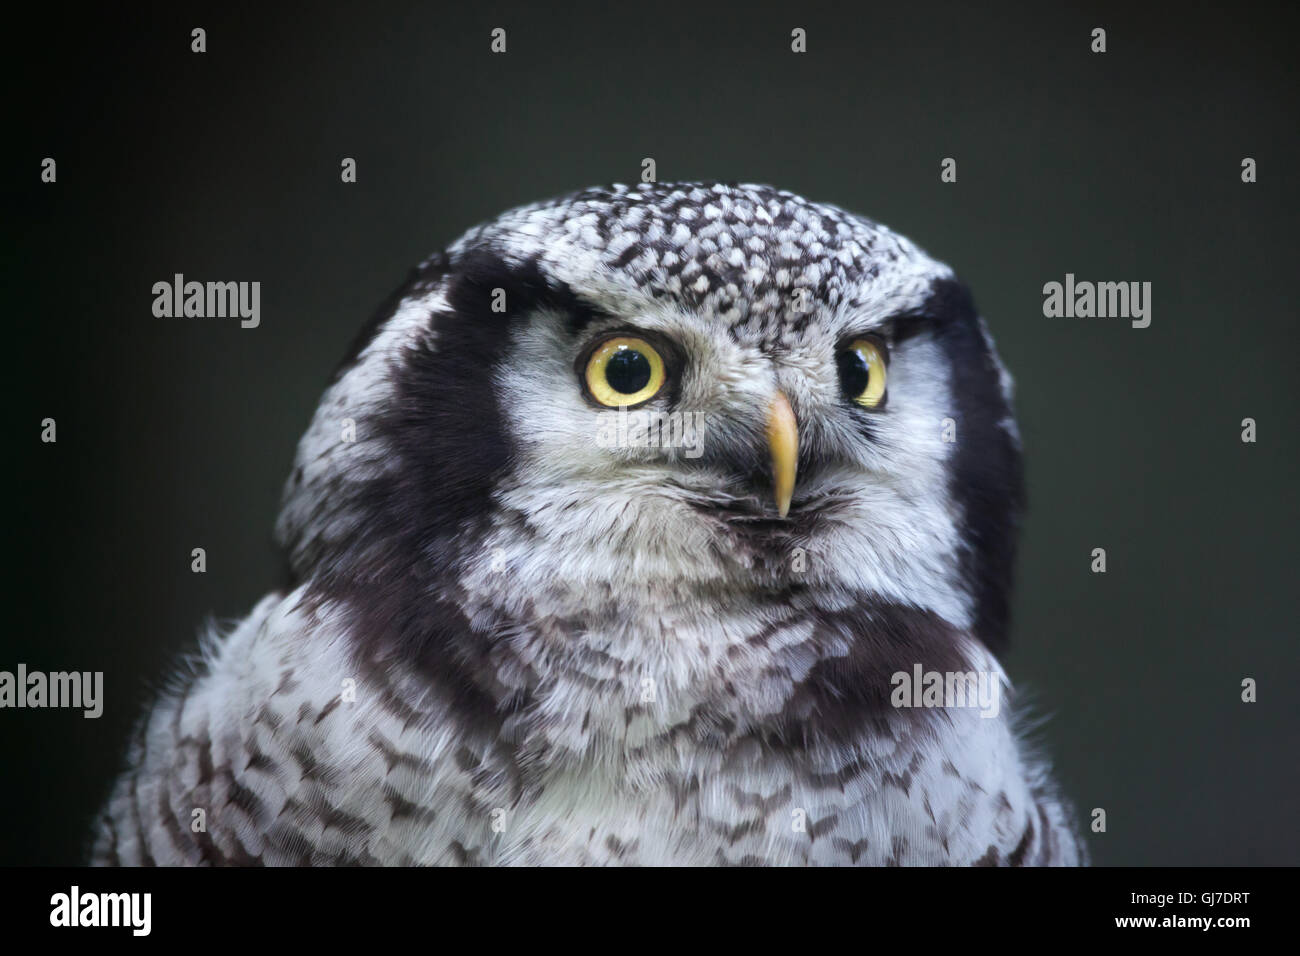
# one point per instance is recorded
(783, 440)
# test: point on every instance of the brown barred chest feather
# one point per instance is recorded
(279, 776)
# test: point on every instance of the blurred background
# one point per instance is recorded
(177, 433)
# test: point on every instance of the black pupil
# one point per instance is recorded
(853, 372)
(628, 371)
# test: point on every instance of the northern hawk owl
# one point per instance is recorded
(650, 525)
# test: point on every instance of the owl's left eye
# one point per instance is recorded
(624, 371)
(862, 366)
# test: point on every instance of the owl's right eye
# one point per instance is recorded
(624, 371)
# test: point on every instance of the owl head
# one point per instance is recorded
(665, 404)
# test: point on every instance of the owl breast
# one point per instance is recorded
(283, 751)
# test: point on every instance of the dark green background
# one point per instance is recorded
(176, 433)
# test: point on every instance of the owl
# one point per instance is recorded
(653, 525)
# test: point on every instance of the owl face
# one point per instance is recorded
(800, 448)
(693, 396)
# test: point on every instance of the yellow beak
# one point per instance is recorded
(783, 440)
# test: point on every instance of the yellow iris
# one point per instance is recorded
(866, 371)
(624, 371)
